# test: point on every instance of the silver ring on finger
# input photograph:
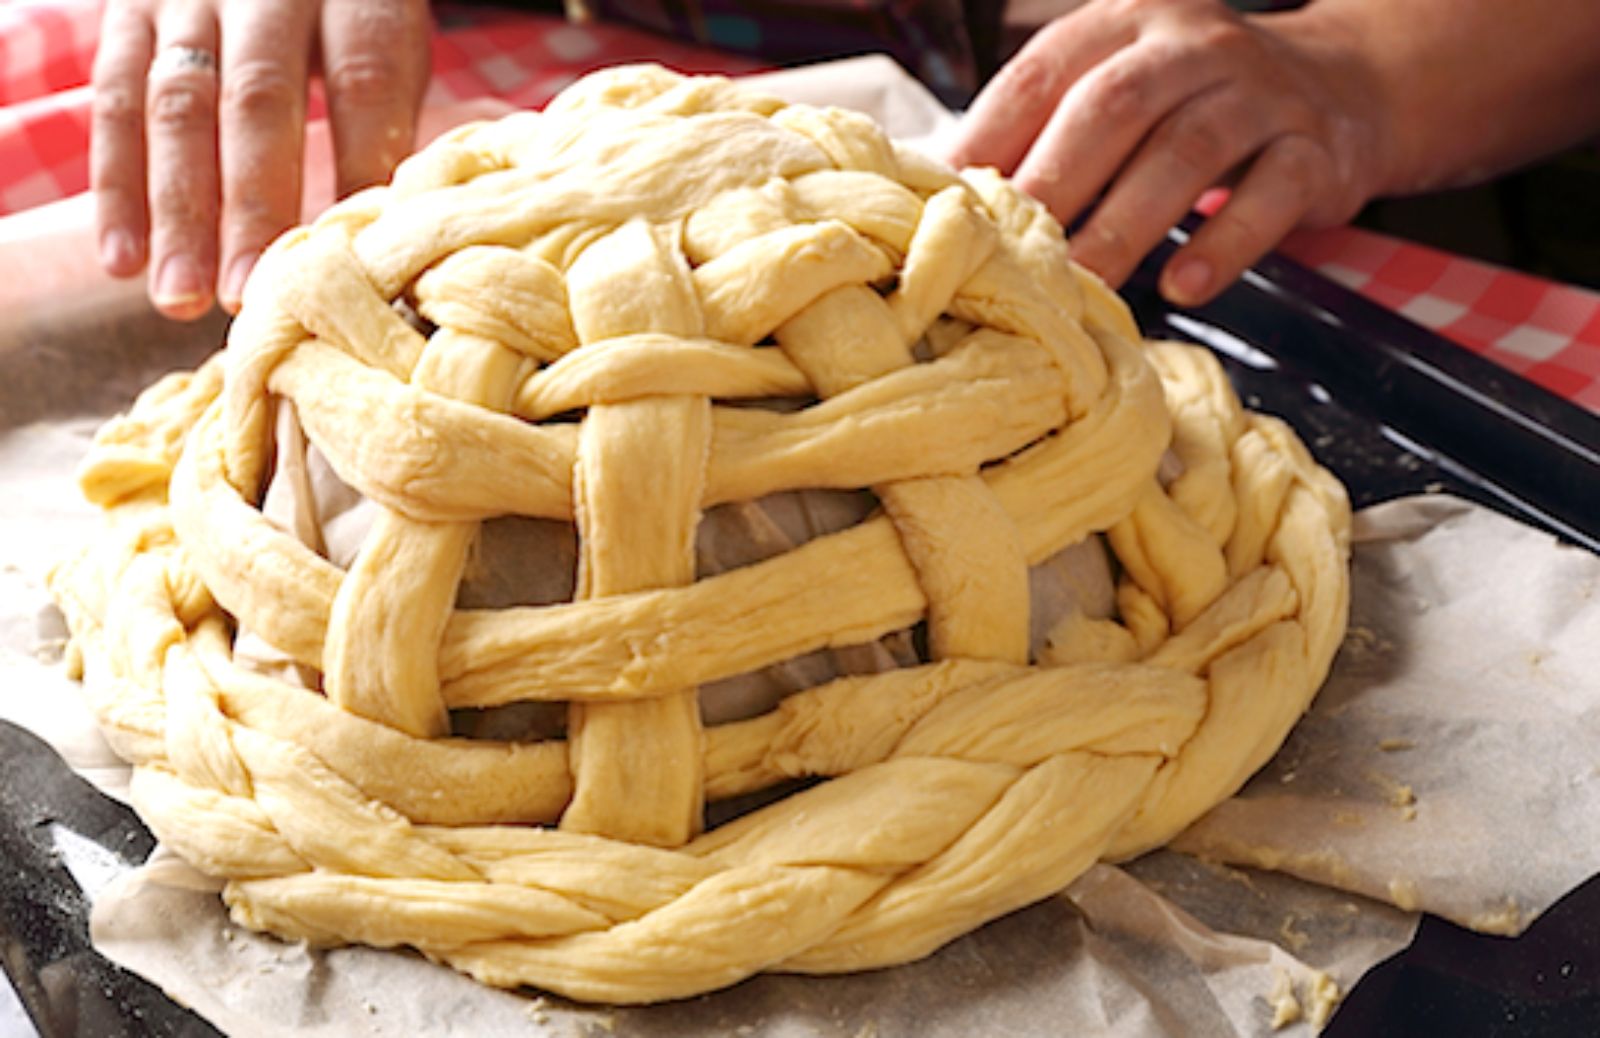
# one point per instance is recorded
(177, 59)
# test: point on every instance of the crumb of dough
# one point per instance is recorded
(1285, 1007)
(1316, 1002)
(1506, 920)
(1293, 938)
(1322, 995)
(1366, 641)
(606, 1022)
(1228, 872)
(1396, 745)
(1349, 818)
(1398, 793)
(1403, 894)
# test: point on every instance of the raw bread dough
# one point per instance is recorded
(598, 288)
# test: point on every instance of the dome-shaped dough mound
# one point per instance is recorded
(572, 316)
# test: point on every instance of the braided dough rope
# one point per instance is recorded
(623, 257)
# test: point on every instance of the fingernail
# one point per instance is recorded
(178, 282)
(1188, 280)
(234, 281)
(118, 253)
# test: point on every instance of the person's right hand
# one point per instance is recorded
(1137, 107)
(199, 119)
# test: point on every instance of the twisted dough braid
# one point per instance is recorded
(642, 257)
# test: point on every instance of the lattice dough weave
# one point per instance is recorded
(598, 286)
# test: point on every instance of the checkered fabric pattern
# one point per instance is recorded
(45, 53)
(1545, 331)
(527, 58)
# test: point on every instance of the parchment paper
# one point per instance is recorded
(1447, 765)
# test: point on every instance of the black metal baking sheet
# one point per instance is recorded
(1388, 406)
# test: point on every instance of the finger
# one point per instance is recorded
(1192, 149)
(1275, 195)
(1104, 117)
(181, 130)
(116, 140)
(375, 61)
(266, 54)
(1016, 104)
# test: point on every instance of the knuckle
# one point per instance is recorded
(364, 80)
(1201, 143)
(1300, 166)
(1121, 94)
(180, 107)
(118, 108)
(1032, 80)
(178, 207)
(1224, 36)
(252, 221)
(260, 91)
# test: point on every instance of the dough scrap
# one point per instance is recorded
(567, 315)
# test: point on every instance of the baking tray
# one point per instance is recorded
(1390, 407)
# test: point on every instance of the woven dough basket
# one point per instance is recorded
(577, 316)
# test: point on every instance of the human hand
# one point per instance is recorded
(198, 127)
(1146, 104)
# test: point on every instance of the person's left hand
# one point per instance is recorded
(1138, 107)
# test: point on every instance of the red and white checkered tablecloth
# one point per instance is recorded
(1543, 330)
(1546, 331)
